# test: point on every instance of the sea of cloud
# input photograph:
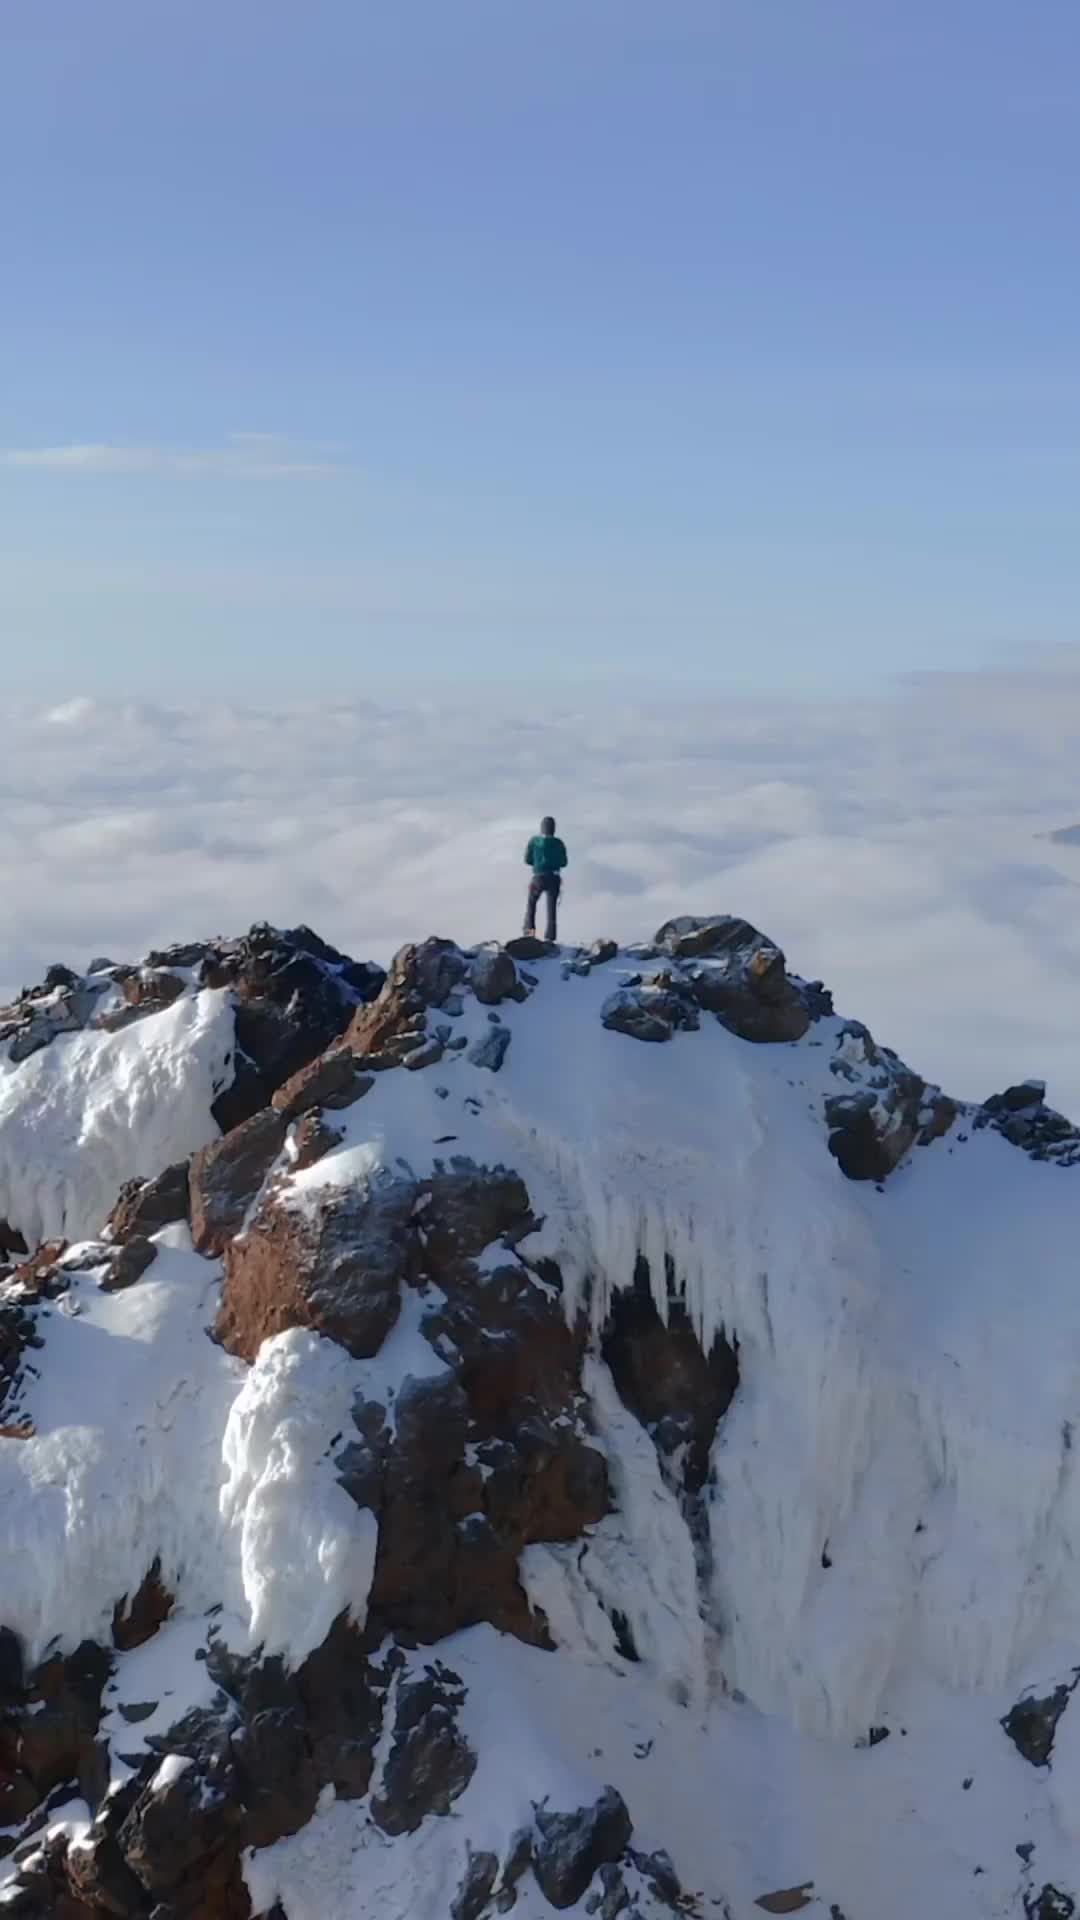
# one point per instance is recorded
(892, 846)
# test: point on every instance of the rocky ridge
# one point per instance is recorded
(473, 1459)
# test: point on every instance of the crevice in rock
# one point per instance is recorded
(677, 1391)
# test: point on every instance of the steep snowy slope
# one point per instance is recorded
(602, 1407)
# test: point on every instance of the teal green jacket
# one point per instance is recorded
(545, 853)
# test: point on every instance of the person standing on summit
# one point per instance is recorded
(546, 855)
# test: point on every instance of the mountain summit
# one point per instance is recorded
(581, 1430)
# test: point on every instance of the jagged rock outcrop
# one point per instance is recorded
(226, 1177)
(450, 1532)
(293, 995)
(1022, 1117)
(48, 1732)
(332, 1080)
(738, 974)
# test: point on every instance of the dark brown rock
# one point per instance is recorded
(1049, 1904)
(342, 1695)
(337, 1268)
(294, 996)
(430, 1762)
(313, 1138)
(127, 1263)
(40, 1277)
(226, 1176)
(334, 1080)
(1032, 1723)
(450, 1536)
(17, 1335)
(476, 1886)
(865, 1146)
(179, 1827)
(670, 1385)
(11, 1240)
(56, 1732)
(151, 988)
(420, 977)
(527, 947)
(145, 1206)
(98, 1875)
(602, 951)
(137, 1622)
(277, 1777)
(568, 1848)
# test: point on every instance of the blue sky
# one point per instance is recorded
(603, 338)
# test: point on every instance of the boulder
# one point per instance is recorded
(427, 1055)
(1032, 1723)
(527, 947)
(477, 1885)
(885, 1111)
(491, 1049)
(493, 976)
(568, 1848)
(226, 1176)
(430, 1763)
(127, 1263)
(184, 1817)
(1022, 1117)
(741, 976)
(333, 1080)
(602, 951)
(145, 1206)
(650, 1012)
(337, 1268)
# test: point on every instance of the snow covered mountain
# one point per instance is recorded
(542, 1430)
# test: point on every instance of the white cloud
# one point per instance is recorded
(243, 456)
(891, 847)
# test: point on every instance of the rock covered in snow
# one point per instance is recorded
(595, 1363)
(883, 1109)
(1022, 1117)
(738, 974)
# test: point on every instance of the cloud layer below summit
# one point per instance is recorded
(892, 846)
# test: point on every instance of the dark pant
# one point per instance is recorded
(551, 885)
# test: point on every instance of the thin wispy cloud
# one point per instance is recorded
(241, 456)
